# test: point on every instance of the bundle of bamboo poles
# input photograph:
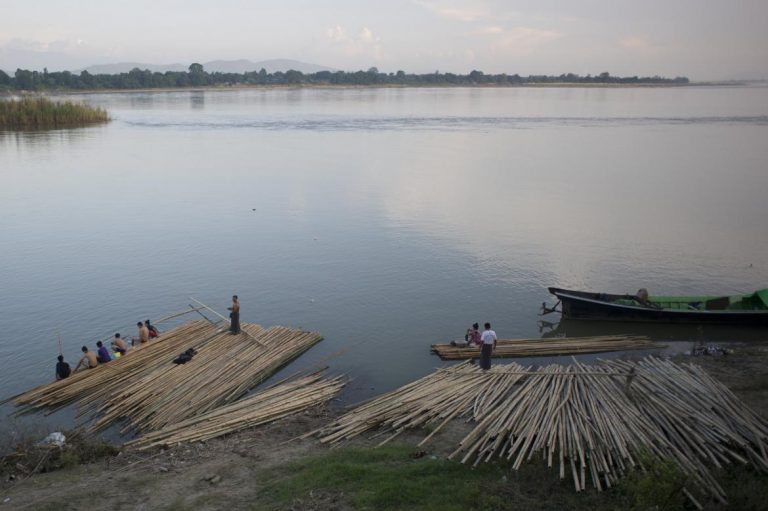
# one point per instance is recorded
(221, 372)
(105, 378)
(276, 402)
(150, 391)
(597, 421)
(515, 348)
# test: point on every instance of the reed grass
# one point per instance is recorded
(42, 113)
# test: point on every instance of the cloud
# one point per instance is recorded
(59, 45)
(640, 45)
(452, 11)
(364, 42)
(487, 31)
(516, 39)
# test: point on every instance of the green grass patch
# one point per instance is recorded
(42, 113)
(390, 478)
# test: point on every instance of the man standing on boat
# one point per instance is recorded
(489, 344)
(234, 316)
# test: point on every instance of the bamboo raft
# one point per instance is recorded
(149, 391)
(595, 421)
(276, 402)
(518, 348)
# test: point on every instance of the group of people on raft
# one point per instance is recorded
(486, 341)
(102, 355)
(147, 331)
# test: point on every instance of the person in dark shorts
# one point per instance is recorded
(62, 369)
(118, 345)
(489, 344)
(234, 316)
(102, 353)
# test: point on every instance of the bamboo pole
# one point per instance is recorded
(584, 418)
(514, 348)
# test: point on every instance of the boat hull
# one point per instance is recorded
(597, 306)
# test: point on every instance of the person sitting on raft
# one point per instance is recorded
(473, 336)
(143, 333)
(62, 368)
(102, 354)
(118, 345)
(89, 360)
(153, 333)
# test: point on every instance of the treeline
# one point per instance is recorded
(198, 77)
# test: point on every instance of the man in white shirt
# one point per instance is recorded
(489, 344)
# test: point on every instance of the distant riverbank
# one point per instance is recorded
(25, 80)
(203, 88)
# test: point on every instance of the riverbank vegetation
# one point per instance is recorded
(42, 113)
(196, 76)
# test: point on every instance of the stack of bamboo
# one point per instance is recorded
(276, 402)
(596, 421)
(103, 379)
(514, 348)
(221, 372)
(150, 391)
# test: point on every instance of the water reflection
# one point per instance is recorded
(659, 332)
(197, 100)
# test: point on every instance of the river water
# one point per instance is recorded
(387, 219)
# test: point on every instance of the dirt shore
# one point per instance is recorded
(233, 472)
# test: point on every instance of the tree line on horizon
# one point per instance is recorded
(196, 76)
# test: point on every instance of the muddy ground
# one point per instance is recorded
(230, 472)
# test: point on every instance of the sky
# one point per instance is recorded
(701, 39)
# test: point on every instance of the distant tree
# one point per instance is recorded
(476, 76)
(197, 75)
(24, 79)
(293, 77)
(5, 79)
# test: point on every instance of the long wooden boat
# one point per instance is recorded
(749, 309)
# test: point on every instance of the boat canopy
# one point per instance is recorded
(763, 295)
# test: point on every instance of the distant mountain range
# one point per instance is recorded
(221, 66)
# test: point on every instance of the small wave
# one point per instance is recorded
(439, 123)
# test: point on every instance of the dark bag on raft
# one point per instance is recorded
(185, 357)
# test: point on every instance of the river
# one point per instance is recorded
(387, 219)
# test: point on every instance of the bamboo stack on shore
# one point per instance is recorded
(150, 391)
(515, 348)
(276, 402)
(596, 421)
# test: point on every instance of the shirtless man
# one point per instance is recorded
(89, 360)
(118, 345)
(143, 333)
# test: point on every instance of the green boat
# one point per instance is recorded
(751, 309)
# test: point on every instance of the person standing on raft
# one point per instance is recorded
(234, 316)
(489, 344)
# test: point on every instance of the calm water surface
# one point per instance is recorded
(387, 219)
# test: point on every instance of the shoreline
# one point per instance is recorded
(238, 87)
(270, 467)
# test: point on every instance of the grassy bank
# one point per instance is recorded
(42, 113)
